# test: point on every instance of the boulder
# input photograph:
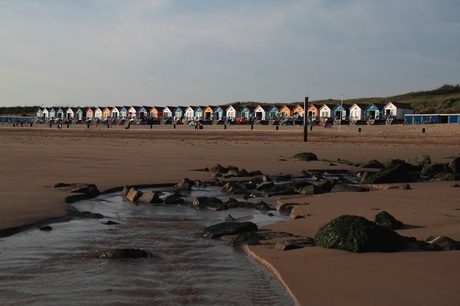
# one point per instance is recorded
(175, 198)
(121, 253)
(133, 194)
(46, 228)
(150, 197)
(348, 188)
(219, 169)
(431, 169)
(454, 165)
(228, 228)
(265, 186)
(233, 187)
(357, 234)
(441, 243)
(246, 238)
(293, 244)
(325, 185)
(394, 172)
(306, 156)
(373, 164)
(185, 184)
(208, 203)
(419, 161)
(386, 220)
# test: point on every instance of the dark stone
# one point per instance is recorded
(89, 189)
(219, 169)
(150, 197)
(348, 188)
(441, 243)
(386, 220)
(265, 186)
(405, 187)
(46, 228)
(229, 218)
(133, 194)
(255, 173)
(373, 164)
(185, 184)
(263, 206)
(419, 161)
(306, 156)
(233, 187)
(175, 198)
(208, 202)
(454, 165)
(432, 169)
(110, 222)
(293, 244)
(444, 177)
(228, 228)
(246, 238)
(394, 172)
(310, 189)
(357, 234)
(122, 253)
(86, 214)
(283, 177)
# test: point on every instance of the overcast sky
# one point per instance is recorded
(168, 52)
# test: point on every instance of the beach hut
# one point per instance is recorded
(39, 113)
(286, 111)
(261, 112)
(90, 113)
(60, 113)
(115, 112)
(374, 111)
(247, 112)
(341, 111)
(313, 111)
(233, 111)
(357, 111)
(106, 113)
(198, 112)
(298, 111)
(397, 110)
(325, 111)
(189, 113)
(179, 112)
(218, 112)
(168, 111)
(208, 113)
(155, 112)
(70, 113)
(274, 112)
(45, 114)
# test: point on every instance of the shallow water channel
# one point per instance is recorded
(52, 268)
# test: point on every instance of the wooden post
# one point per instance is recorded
(305, 121)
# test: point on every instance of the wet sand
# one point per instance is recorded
(34, 159)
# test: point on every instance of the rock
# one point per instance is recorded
(255, 173)
(208, 202)
(150, 197)
(441, 243)
(86, 214)
(229, 218)
(357, 234)
(432, 169)
(122, 253)
(232, 187)
(454, 165)
(285, 208)
(46, 228)
(373, 164)
(444, 177)
(283, 177)
(293, 244)
(309, 189)
(266, 178)
(325, 185)
(110, 222)
(133, 194)
(395, 172)
(405, 187)
(386, 220)
(219, 169)
(175, 198)
(419, 161)
(306, 156)
(263, 206)
(185, 184)
(246, 238)
(265, 186)
(348, 188)
(228, 228)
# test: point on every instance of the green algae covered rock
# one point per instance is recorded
(306, 156)
(357, 234)
(384, 219)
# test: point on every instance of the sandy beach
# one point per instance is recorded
(35, 158)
